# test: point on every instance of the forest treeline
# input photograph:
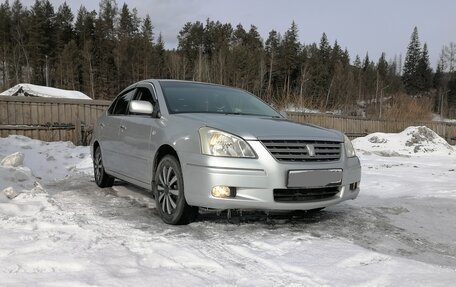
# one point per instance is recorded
(101, 52)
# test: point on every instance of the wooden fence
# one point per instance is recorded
(52, 119)
(356, 127)
(49, 119)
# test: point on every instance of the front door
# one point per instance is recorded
(137, 137)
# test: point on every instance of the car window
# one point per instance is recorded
(184, 97)
(144, 94)
(120, 104)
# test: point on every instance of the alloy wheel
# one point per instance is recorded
(168, 189)
(98, 166)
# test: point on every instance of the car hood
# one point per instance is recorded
(258, 128)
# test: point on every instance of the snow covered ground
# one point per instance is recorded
(46, 92)
(58, 229)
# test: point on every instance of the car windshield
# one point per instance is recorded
(188, 97)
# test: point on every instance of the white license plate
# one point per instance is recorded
(314, 178)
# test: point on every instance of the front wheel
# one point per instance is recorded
(168, 189)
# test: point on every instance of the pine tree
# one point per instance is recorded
(438, 76)
(424, 71)
(147, 29)
(84, 33)
(288, 64)
(369, 79)
(382, 67)
(42, 40)
(336, 55)
(64, 26)
(323, 77)
(105, 71)
(324, 49)
(272, 50)
(357, 62)
(366, 62)
(160, 61)
(190, 46)
(5, 42)
(410, 75)
(147, 47)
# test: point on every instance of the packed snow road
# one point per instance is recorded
(420, 229)
(64, 231)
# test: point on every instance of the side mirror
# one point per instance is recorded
(141, 107)
(284, 114)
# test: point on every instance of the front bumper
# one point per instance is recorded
(256, 179)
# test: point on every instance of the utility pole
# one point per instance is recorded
(442, 97)
(381, 100)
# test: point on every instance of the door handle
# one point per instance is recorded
(102, 125)
(122, 127)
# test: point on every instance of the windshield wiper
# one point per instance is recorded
(246, 114)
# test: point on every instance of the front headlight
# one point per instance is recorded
(218, 143)
(349, 149)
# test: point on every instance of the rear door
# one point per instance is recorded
(137, 137)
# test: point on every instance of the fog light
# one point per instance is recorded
(222, 191)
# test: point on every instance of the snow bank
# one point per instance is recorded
(26, 165)
(22, 158)
(412, 141)
(46, 92)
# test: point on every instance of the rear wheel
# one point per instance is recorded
(102, 179)
(169, 193)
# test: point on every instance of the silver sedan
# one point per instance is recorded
(203, 145)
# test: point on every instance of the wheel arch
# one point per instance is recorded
(164, 150)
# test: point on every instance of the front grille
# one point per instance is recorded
(303, 151)
(304, 194)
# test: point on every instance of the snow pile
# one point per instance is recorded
(24, 158)
(27, 165)
(46, 92)
(296, 109)
(18, 183)
(411, 141)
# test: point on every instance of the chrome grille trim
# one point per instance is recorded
(297, 150)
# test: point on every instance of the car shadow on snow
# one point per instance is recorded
(265, 217)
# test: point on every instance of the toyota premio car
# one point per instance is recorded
(204, 145)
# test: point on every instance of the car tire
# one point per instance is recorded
(102, 179)
(168, 188)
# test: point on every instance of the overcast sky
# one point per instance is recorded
(359, 25)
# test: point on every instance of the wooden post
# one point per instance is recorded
(77, 140)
